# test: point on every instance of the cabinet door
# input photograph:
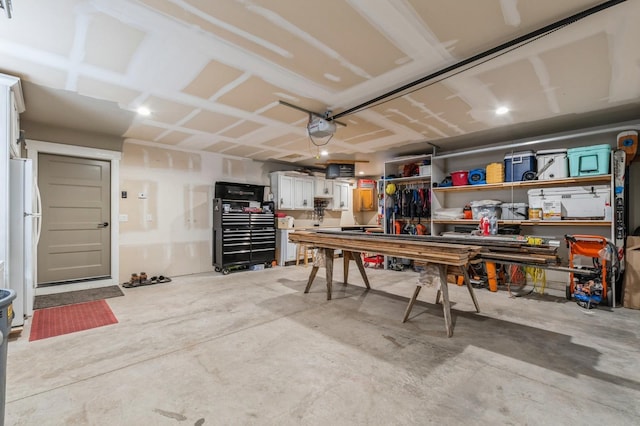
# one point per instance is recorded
(340, 196)
(323, 188)
(364, 200)
(307, 191)
(291, 249)
(302, 194)
(285, 192)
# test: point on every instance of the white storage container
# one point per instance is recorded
(577, 202)
(485, 208)
(514, 211)
(425, 170)
(557, 161)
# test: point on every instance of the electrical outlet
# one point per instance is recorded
(124, 218)
(149, 218)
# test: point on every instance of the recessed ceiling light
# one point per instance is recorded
(144, 111)
(324, 152)
(502, 110)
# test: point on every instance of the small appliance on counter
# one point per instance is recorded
(284, 222)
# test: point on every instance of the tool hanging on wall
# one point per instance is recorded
(628, 142)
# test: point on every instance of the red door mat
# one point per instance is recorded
(70, 318)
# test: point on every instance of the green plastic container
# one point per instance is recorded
(589, 160)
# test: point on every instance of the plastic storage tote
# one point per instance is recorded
(515, 211)
(495, 173)
(589, 160)
(6, 316)
(576, 202)
(485, 208)
(517, 164)
(552, 164)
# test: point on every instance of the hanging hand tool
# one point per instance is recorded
(405, 202)
(413, 204)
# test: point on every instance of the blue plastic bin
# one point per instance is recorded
(589, 160)
(517, 164)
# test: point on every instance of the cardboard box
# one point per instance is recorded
(366, 183)
(284, 222)
(551, 210)
(631, 298)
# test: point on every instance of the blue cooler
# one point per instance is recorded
(517, 164)
(589, 160)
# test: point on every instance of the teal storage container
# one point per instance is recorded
(589, 160)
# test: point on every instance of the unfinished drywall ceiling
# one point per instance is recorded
(212, 73)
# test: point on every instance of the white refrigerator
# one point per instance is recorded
(23, 235)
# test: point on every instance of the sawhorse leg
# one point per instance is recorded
(443, 291)
(345, 265)
(411, 302)
(312, 276)
(328, 262)
(442, 269)
(467, 282)
(357, 258)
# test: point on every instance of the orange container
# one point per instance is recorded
(495, 173)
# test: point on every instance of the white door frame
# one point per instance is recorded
(36, 147)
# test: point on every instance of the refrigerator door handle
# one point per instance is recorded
(38, 215)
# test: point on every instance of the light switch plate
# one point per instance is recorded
(124, 218)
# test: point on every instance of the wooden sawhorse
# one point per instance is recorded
(443, 291)
(328, 262)
(356, 257)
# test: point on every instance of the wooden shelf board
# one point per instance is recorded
(526, 184)
(528, 222)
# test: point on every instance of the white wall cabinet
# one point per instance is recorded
(323, 188)
(292, 192)
(282, 188)
(303, 192)
(341, 199)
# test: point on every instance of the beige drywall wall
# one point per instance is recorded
(169, 232)
(63, 135)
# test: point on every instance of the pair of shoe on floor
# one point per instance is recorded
(142, 279)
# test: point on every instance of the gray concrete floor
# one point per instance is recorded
(251, 348)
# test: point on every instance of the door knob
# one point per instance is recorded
(103, 225)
